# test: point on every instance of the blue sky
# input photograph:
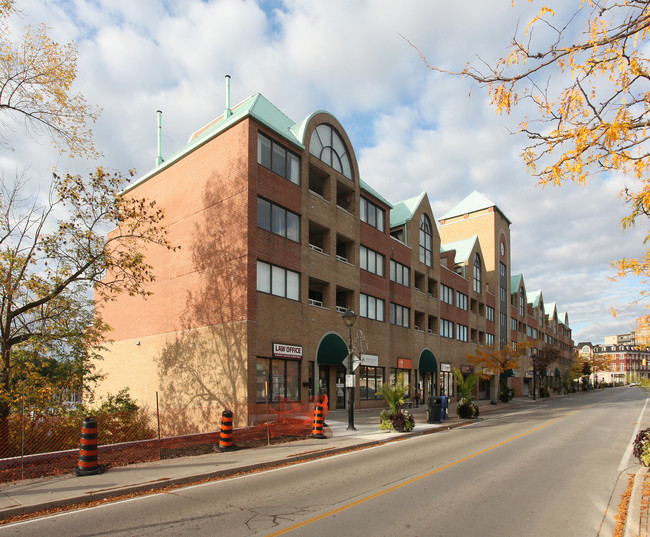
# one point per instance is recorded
(413, 130)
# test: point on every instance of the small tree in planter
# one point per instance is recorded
(466, 407)
(394, 418)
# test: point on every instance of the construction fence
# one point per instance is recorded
(45, 444)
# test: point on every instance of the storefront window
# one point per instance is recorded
(394, 371)
(284, 382)
(371, 379)
(262, 379)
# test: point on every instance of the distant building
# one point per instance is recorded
(279, 237)
(625, 361)
(621, 339)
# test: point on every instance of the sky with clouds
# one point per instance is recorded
(412, 129)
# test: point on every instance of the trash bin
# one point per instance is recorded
(445, 408)
(434, 410)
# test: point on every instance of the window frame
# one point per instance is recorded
(285, 213)
(287, 282)
(371, 261)
(426, 241)
(378, 305)
(287, 167)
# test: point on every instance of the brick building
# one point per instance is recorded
(279, 236)
(626, 360)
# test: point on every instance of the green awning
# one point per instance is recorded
(557, 372)
(508, 373)
(428, 362)
(332, 350)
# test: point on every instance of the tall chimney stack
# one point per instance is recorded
(228, 112)
(159, 158)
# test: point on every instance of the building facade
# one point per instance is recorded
(621, 362)
(279, 236)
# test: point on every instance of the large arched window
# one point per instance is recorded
(477, 273)
(327, 145)
(426, 248)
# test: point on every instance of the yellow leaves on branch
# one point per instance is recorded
(36, 79)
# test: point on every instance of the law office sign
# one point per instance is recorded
(288, 352)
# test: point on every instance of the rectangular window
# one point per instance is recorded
(282, 377)
(278, 281)
(461, 332)
(446, 328)
(277, 158)
(278, 220)
(264, 214)
(372, 261)
(513, 324)
(461, 300)
(264, 151)
(371, 307)
(489, 313)
(446, 294)
(489, 339)
(370, 380)
(400, 273)
(399, 315)
(372, 214)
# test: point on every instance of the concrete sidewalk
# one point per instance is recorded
(32, 496)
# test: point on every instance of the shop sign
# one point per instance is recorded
(404, 363)
(445, 367)
(467, 369)
(288, 352)
(369, 360)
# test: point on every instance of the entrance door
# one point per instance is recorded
(324, 380)
(340, 386)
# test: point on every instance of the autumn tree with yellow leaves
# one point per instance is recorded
(493, 360)
(50, 328)
(36, 78)
(85, 236)
(586, 77)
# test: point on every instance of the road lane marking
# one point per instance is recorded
(423, 476)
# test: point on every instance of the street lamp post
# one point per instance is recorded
(349, 317)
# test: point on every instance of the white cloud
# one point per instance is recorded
(413, 130)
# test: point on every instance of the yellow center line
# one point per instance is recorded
(423, 476)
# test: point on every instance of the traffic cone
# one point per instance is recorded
(225, 436)
(317, 425)
(87, 464)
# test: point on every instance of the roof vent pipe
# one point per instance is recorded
(228, 112)
(159, 159)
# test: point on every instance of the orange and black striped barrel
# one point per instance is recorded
(317, 425)
(225, 436)
(87, 464)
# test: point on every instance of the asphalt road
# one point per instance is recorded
(557, 468)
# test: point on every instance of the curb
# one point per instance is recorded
(152, 487)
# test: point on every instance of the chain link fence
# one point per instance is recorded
(44, 444)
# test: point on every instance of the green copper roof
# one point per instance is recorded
(262, 110)
(515, 282)
(471, 204)
(534, 298)
(403, 211)
(549, 309)
(463, 249)
(256, 106)
(365, 186)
